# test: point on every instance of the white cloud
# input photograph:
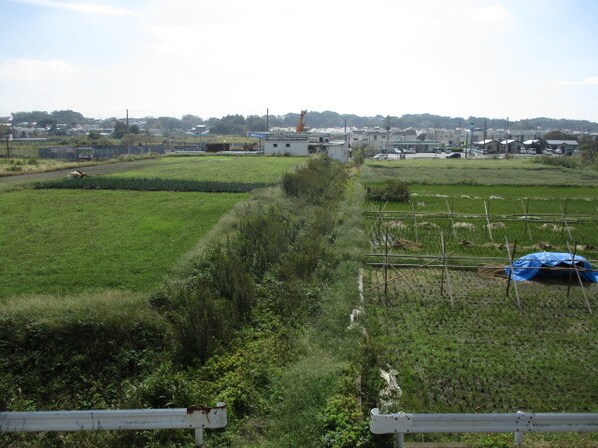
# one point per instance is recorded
(490, 14)
(87, 8)
(35, 69)
(590, 81)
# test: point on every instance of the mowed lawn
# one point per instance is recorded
(69, 241)
(243, 169)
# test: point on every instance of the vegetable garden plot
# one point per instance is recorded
(484, 354)
(479, 227)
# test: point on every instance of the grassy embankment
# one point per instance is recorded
(469, 347)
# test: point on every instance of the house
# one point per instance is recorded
(374, 138)
(510, 146)
(488, 146)
(533, 146)
(562, 146)
(416, 145)
(286, 145)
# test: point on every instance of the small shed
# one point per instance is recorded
(338, 150)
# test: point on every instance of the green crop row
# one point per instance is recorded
(145, 184)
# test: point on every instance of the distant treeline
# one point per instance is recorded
(239, 124)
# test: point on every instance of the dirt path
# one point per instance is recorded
(22, 180)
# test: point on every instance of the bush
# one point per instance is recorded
(310, 182)
(389, 190)
(358, 156)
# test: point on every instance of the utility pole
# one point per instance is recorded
(507, 139)
(267, 120)
(387, 131)
(345, 129)
(8, 142)
(128, 137)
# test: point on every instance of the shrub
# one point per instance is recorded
(358, 156)
(389, 190)
(311, 181)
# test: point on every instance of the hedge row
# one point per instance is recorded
(149, 184)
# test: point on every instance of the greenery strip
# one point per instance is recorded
(150, 184)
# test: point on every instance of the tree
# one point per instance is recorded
(68, 116)
(120, 129)
(30, 117)
(188, 122)
(558, 135)
(133, 129)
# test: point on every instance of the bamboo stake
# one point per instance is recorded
(573, 261)
(488, 222)
(580, 281)
(386, 267)
(526, 211)
(451, 218)
(445, 272)
(565, 225)
(512, 271)
(414, 222)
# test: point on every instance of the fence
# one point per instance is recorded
(196, 418)
(99, 152)
(518, 423)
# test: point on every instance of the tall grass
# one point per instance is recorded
(275, 241)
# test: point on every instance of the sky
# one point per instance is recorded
(458, 58)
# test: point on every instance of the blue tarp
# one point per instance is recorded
(527, 267)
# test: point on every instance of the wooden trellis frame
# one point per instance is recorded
(393, 261)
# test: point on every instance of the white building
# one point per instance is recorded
(286, 145)
(338, 150)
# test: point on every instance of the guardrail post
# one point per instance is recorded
(518, 433)
(400, 440)
(518, 438)
(199, 437)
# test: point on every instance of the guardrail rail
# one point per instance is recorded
(197, 418)
(518, 423)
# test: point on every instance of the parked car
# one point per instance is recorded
(454, 155)
(397, 151)
(381, 156)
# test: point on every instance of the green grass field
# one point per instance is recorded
(477, 172)
(244, 169)
(58, 242)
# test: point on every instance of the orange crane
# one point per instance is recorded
(300, 124)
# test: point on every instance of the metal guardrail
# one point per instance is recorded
(197, 418)
(518, 423)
